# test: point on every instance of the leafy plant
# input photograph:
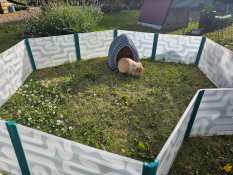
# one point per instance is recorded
(60, 19)
(111, 6)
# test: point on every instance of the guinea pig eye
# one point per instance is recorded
(139, 71)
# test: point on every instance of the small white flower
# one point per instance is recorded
(34, 101)
(42, 96)
(19, 112)
(30, 99)
(68, 89)
(53, 112)
(46, 100)
(47, 112)
(29, 119)
(38, 126)
(56, 129)
(20, 89)
(37, 81)
(61, 116)
(26, 86)
(27, 95)
(39, 101)
(70, 128)
(25, 107)
(50, 131)
(43, 103)
(32, 106)
(31, 80)
(63, 129)
(23, 94)
(55, 107)
(32, 94)
(36, 111)
(70, 96)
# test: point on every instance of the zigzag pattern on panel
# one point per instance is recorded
(142, 41)
(53, 51)
(178, 48)
(8, 161)
(95, 44)
(217, 63)
(50, 155)
(215, 114)
(15, 67)
(168, 153)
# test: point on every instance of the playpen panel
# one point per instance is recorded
(178, 48)
(15, 67)
(142, 41)
(48, 154)
(217, 63)
(169, 151)
(8, 161)
(215, 113)
(95, 44)
(53, 51)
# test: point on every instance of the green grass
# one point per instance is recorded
(131, 116)
(10, 35)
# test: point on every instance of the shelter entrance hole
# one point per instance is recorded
(126, 51)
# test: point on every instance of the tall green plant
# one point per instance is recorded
(61, 18)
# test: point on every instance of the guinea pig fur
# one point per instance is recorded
(127, 65)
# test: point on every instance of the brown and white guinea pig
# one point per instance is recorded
(129, 66)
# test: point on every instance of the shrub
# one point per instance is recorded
(133, 4)
(60, 19)
(111, 6)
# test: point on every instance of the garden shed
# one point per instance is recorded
(168, 14)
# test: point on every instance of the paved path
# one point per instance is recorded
(17, 16)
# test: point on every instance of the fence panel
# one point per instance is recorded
(53, 51)
(48, 154)
(178, 48)
(95, 44)
(15, 67)
(217, 63)
(215, 113)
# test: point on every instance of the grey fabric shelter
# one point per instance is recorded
(122, 46)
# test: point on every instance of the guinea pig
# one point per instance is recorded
(127, 65)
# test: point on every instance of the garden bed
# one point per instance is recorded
(88, 103)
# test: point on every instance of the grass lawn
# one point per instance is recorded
(131, 116)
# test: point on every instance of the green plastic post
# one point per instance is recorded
(203, 40)
(115, 33)
(155, 42)
(30, 54)
(194, 113)
(18, 148)
(77, 47)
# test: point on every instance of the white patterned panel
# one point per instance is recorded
(142, 41)
(215, 114)
(95, 44)
(8, 161)
(169, 151)
(50, 155)
(178, 48)
(217, 63)
(15, 67)
(53, 51)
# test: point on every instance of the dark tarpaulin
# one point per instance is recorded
(154, 11)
